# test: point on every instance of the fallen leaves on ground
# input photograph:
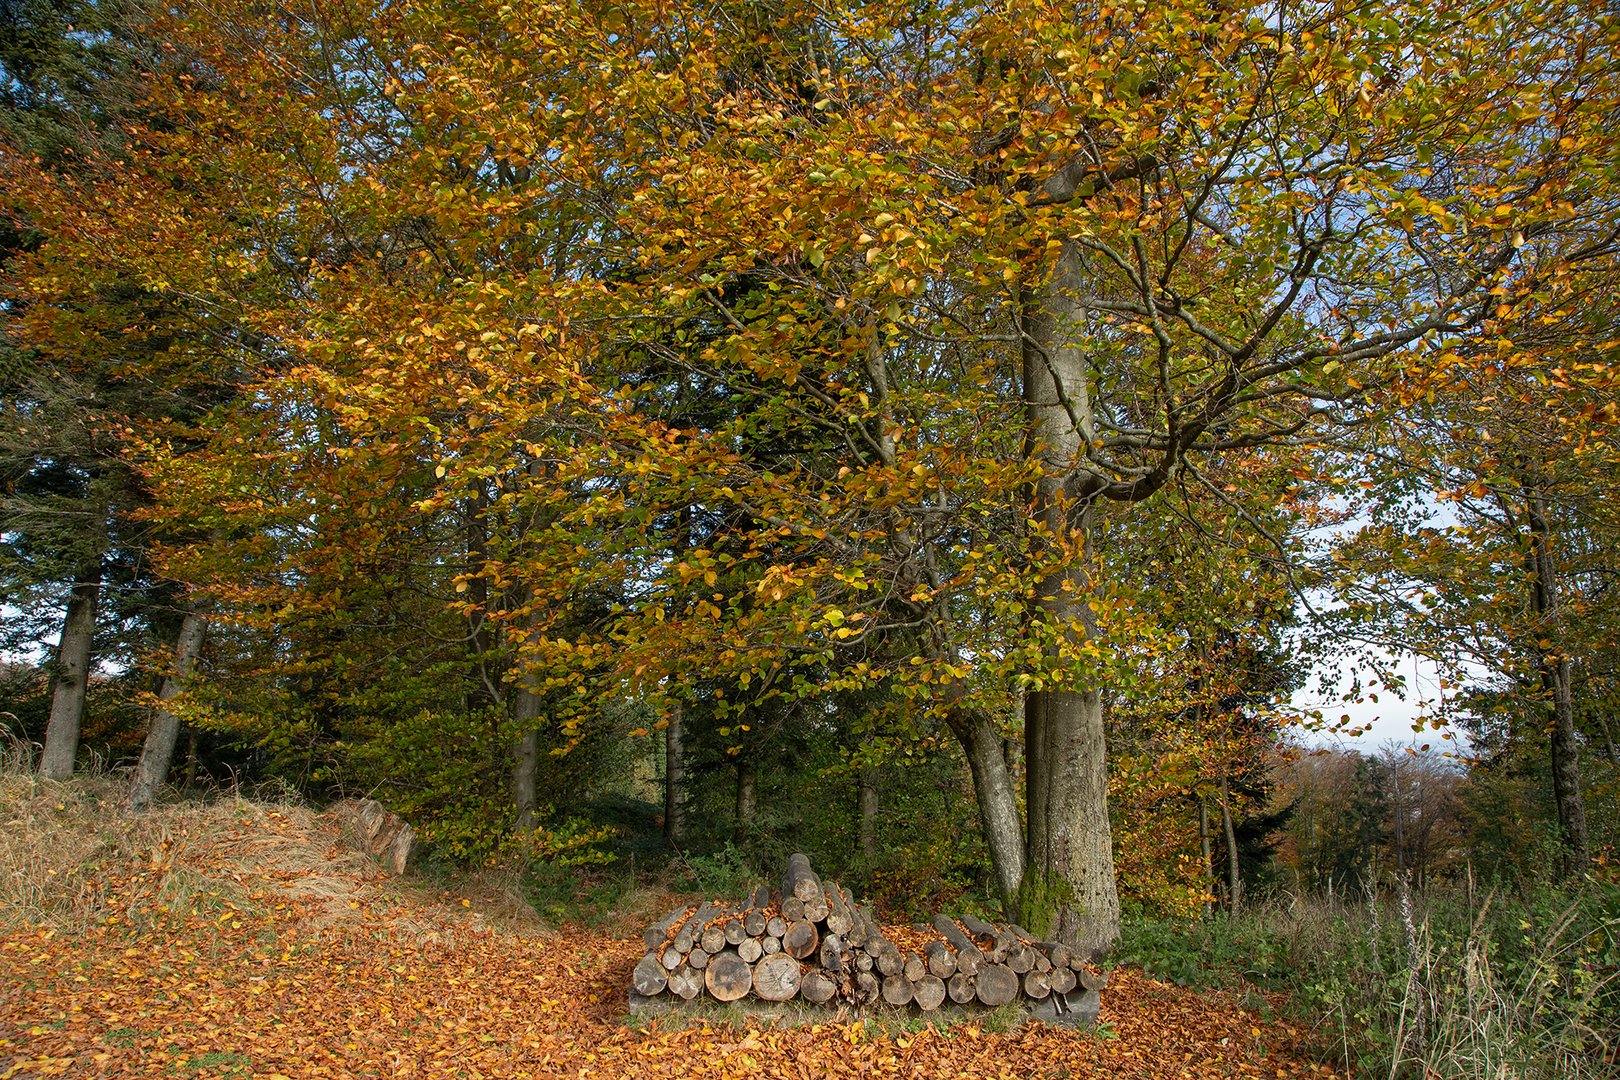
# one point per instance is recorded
(316, 967)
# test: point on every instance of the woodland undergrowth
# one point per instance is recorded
(1458, 982)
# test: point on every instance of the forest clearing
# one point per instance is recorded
(247, 939)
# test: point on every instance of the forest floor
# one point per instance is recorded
(243, 939)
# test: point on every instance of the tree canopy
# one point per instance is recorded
(985, 365)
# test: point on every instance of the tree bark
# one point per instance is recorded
(747, 799)
(1068, 891)
(674, 781)
(1234, 879)
(70, 676)
(1555, 681)
(997, 799)
(867, 804)
(163, 731)
(526, 755)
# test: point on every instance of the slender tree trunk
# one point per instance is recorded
(867, 804)
(1555, 683)
(997, 799)
(1400, 816)
(674, 782)
(163, 731)
(1234, 878)
(1608, 739)
(1204, 841)
(993, 788)
(528, 702)
(487, 690)
(1012, 748)
(191, 759)
(747, 797)
(70, 676)
(526, 755)
(1566, 767)
(1068, 891)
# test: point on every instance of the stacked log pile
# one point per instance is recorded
(812, 941)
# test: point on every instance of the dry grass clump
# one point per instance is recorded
(53, 837)
(69, 852)
(72, 857)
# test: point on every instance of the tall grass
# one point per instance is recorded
(1452, 984)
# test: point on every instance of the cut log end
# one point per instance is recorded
(686, 982)
(1037, 985)
(817, 986)
(728, 977)
(801, 940)
(996, 985)
(649, 978)
(801, 881)
(776, 977)
(929, 993)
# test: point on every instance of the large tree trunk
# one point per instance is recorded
(70, 676)
(674, 781)
(1555, 683)
(1068, 890)
(163, 731)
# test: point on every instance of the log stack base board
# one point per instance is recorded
(811, 942)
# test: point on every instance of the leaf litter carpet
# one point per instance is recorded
(250, 942)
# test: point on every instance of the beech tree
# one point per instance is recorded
(1031, 265)
(973, 282)
(1490, 548)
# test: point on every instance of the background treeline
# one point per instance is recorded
(933, 437)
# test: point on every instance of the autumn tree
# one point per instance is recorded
(1488, 544)
(74, 546)
(1029, 266)
(973, 283)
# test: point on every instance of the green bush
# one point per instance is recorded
(722, 875)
